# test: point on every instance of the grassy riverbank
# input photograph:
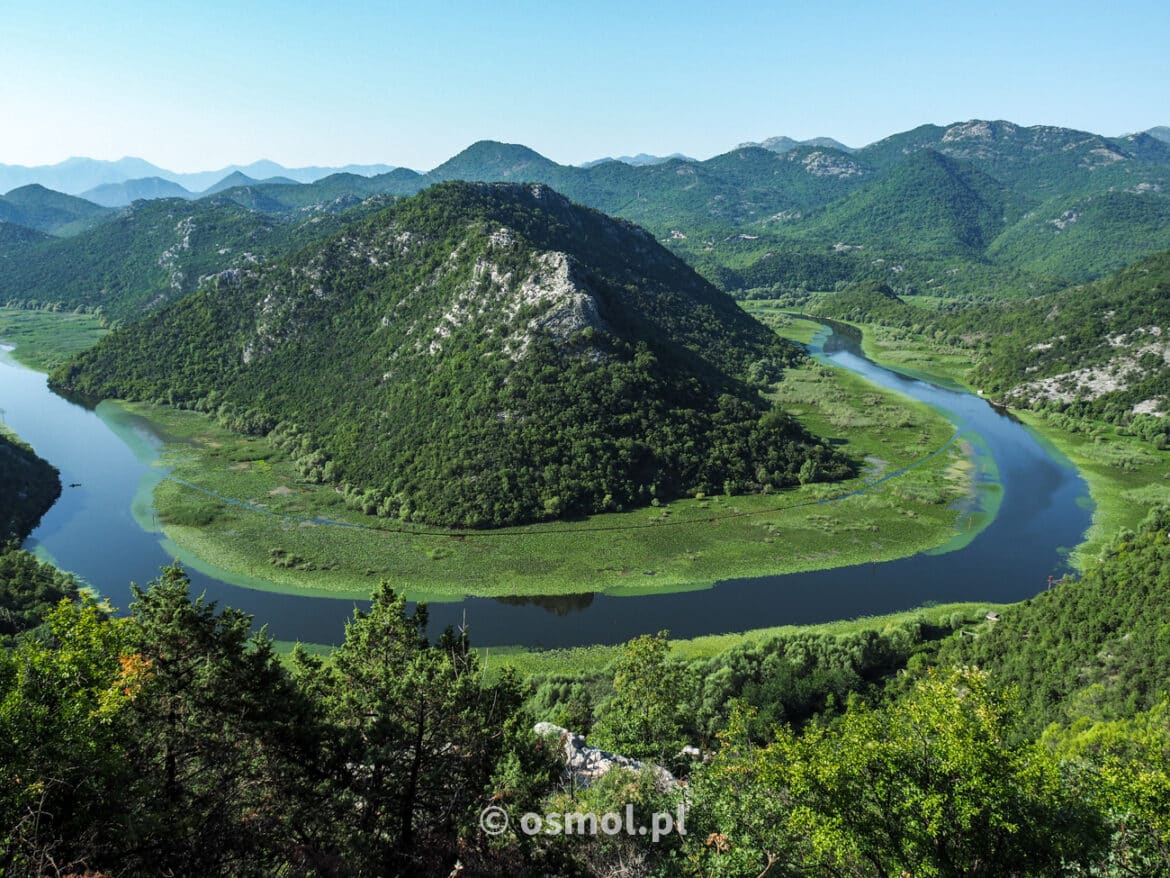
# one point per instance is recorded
(1126, 478)
(45, 339)
(895, 348)
(537, 662)
(566, 661)
(685, 544)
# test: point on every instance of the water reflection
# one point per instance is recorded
(557, 604)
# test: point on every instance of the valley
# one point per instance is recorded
(831, 484)
(750, 462)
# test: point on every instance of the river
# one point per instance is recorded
(105, 458)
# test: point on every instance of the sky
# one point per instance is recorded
(196, 86)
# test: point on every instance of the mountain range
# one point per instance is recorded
(640, 159)
(81, 176)
(975, 208)
(90, 177)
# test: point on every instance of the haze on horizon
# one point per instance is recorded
(197, 88)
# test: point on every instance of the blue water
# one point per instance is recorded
(1044, 512)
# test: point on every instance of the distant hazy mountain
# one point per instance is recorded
(1162, 133)
(122, 194)
(238, 178)
(639, 160)
(787, 144)
(76, 176)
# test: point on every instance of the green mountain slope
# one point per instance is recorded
(1094, 646)
(927, 203)
(490, 160)
(723, 193)
(1038, 162)
(152, 253)
(14, 238)
(1099, 349)
(495, 354)
(1083, 238)
(744, 189)
(28, 487)
(47, 211)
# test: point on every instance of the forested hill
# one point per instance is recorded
(925, 203)
(151, 253)
(44, 210)
(28, 487)
(478, 355)
(1095, 345)
(1094, 648)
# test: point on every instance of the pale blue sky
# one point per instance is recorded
(197, 85)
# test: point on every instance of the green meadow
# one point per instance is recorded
(45, 339)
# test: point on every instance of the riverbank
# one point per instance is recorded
(1126, 477)
(895, 348)
(597, 657)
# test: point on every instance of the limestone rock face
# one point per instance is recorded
(585, 764)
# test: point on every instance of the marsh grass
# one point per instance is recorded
(45, 339)
(901, 349)
(531, 662)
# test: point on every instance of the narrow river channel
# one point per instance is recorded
(105, 461)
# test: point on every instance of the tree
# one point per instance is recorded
(62, 745)
(930, 786)
(1123, 767)
(643, 720)
(417, 735)
(221, 737)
